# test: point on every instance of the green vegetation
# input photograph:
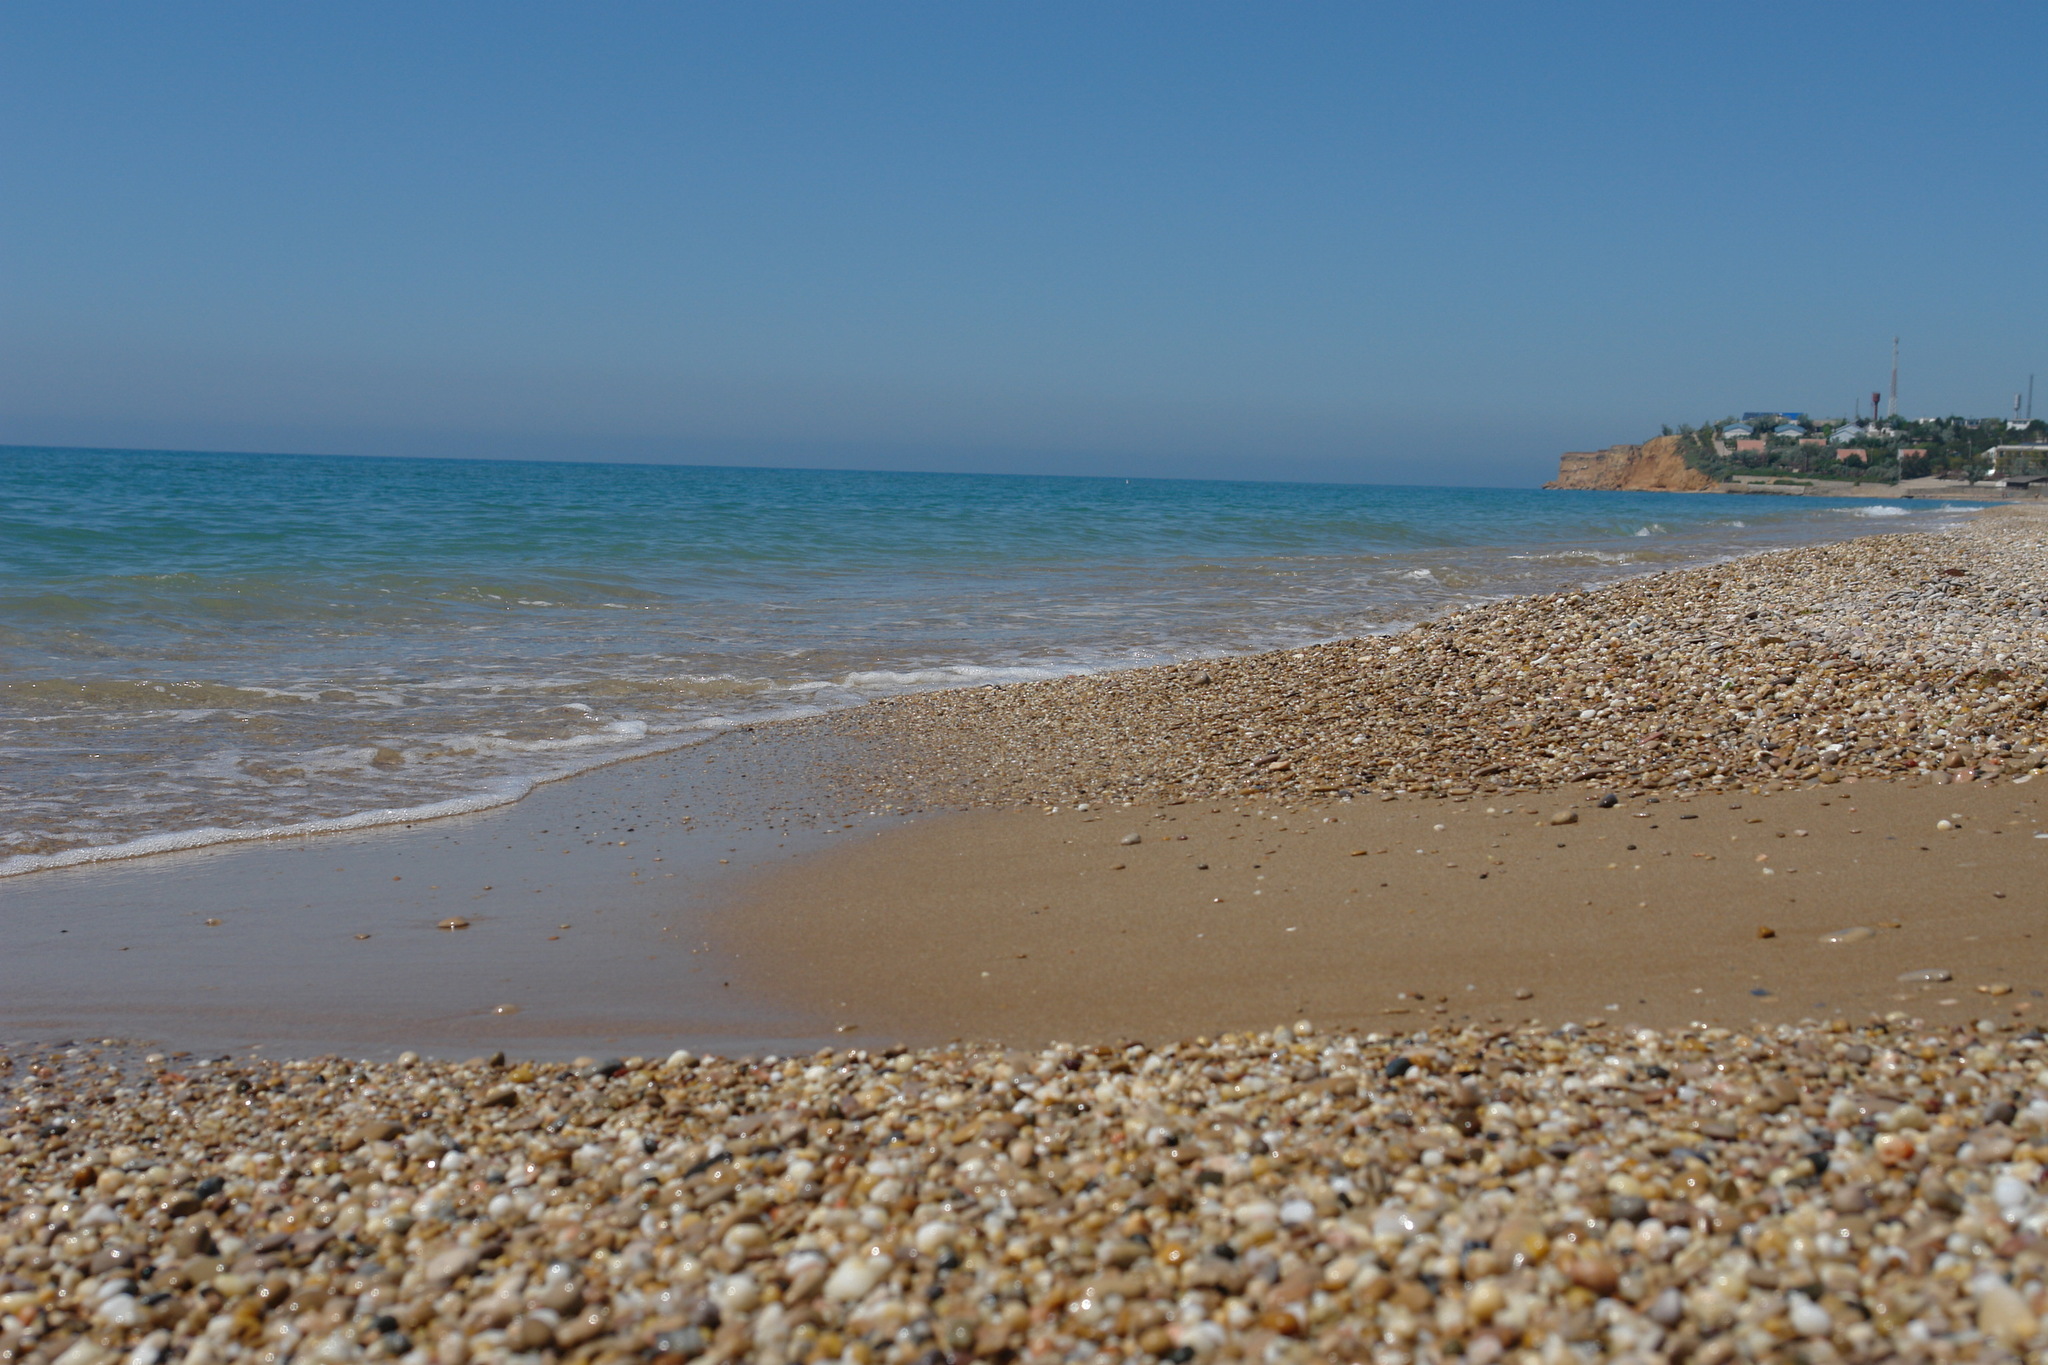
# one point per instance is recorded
(1957, 447)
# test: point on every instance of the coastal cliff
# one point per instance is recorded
(1654, 466)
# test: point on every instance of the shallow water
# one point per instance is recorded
(197, 647)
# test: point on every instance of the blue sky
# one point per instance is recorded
(1419, 244)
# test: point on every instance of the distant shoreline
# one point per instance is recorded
(1668, 464)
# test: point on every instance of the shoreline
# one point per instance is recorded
(1449, 1181)
(363, 821)
(1716, 675)
(1659, 722)
(180, 841)
(929, 752)
(577, 920)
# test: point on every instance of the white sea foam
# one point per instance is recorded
(952, 675)
(499, 794)
(1881, 510)
(502, 791)
(1583, 556)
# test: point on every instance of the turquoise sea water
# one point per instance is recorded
(198, 646)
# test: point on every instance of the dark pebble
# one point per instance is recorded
(683, 1341)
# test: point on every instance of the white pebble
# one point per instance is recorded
(935, 1236)
(1808, 1318)
(853, 1277)
(736, 1293)
(2001, 1313)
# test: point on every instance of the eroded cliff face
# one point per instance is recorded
(1654, 466)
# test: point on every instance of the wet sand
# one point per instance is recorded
(1025, 927)
(588, 909)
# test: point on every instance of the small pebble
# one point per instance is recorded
(1808, 1318)
(844, 1185)
(1696, 703)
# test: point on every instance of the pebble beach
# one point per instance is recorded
(1835, 1192)
(1846, 1188)
(1881, 656)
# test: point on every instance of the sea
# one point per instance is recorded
(198, 647)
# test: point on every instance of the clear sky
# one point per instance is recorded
(1376, 242)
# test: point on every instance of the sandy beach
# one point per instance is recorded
(1158, 923)
(1643, 974)
(1653, 800)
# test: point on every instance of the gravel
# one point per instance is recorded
(1827, 1191)
(1884, 656)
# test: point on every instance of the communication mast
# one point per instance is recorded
(1894, 412)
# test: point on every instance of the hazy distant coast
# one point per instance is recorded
(1787, 453)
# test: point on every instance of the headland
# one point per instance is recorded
(1790, 454)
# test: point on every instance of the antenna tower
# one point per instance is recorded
(1894, 412)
